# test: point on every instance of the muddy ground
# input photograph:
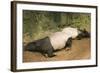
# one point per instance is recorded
(80, 50)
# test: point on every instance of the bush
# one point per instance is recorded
(38, 24)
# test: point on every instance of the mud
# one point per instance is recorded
(80, 50)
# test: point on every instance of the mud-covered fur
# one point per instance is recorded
(44, 46)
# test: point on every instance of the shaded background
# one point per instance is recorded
(38, 24)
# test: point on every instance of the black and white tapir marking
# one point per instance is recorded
(56, 41)
(48, 45)
(76, 33)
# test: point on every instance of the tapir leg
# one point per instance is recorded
(69, 43)
(50, 53)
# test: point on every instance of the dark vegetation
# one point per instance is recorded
(38, 24)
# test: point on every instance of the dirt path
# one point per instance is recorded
(80, 50)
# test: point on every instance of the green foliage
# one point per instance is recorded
(38, 24)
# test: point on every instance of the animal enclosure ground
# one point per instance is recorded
(80, 50)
